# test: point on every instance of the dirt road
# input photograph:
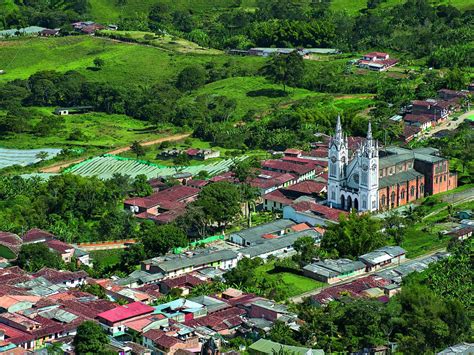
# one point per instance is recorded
(449, 124)
(56, 168)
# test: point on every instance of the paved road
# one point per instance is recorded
(56, 168)
(300, 298)
(449, 124)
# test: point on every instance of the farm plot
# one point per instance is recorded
(106, 166)
(9, 157)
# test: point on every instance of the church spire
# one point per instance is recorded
(338, 127)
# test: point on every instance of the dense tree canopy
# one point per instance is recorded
(353, 236)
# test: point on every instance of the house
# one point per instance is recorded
(424, 122)
(306, 210)
(268, 347)
(278, 246)
(36, 235)
(185, 283)
(301, 171)
(64, 111)
(49, 32)
(64, 250)
(331, 271)
(113, 320)
(181, 310)
(276, 200)
(377, 61)
(354, 289)
(202, 154)
(382, 257)
(254, 235)
(62, 278)
(224, 322)
(461, 233)
(82, 257)
(163, 206)
(438, 110)
(172, 265)
(159, 342)
(26, 31)
(410, 133)
(270, 310)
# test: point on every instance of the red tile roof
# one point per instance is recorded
(300, 227)
(57, 277)
(354, 289)
(176, 193)
(277, 196)
(160, 338)
(35, 235)
(59, 246)
(307, 187)
(197, 183)
(323, 211)
(128, 311)
(181, 281)
(288, 167)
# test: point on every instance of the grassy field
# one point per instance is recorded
(21, 58)
(297, 284)
(166, 42)
(99, 130)
(105, 258)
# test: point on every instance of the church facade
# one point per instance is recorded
(370, 178)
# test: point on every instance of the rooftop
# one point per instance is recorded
(128, 311)
(255, 234)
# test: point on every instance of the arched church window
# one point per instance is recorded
(422, 189)
(364, 178)
(392, 197)
(382, 200)
(402, 194)
(412, 191)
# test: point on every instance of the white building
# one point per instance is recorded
(353, 183)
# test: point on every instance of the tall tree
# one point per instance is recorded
(90, 339)
(285, 69)
(220, 202)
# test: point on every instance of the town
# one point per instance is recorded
(241, 178)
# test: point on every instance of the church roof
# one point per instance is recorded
(403, 176)
(392, 160)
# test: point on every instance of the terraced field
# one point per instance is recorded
(106, 166)
(10, 157)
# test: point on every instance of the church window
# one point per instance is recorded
(364, 178)
(364, 204)
(356, 178)
(436, 179)
(332, 169)
(412, 191)
(392, 197)
(333, 195)
(373, 204)
(444, 177)
(422, 188)
(402, 194)
(382, 201)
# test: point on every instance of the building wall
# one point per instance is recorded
(401, 194)
(260, 312)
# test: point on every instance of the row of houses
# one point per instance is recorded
(332, 271)
(377, 61)
(422, 115)
(12, 244)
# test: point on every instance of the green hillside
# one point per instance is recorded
(21, 58)
(108, 10)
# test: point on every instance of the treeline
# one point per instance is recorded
(50, 14)
(415, 27)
